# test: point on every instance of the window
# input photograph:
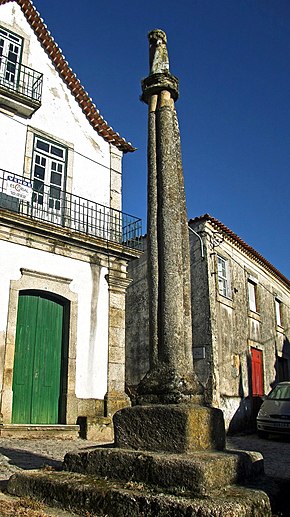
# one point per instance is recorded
(48, 174)
(278, 312)
(223, 277)
(252, 293)
(21, 86)
(10, 55)
(282, 370)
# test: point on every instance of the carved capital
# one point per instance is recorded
(117, 282)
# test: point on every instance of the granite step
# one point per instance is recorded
(40, 431)
(82, 493)
(198, 472)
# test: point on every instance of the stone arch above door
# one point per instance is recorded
(59, 287)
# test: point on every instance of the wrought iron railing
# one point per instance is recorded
(20, 79)
(67, 210)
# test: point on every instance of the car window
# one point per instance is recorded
(280, 392)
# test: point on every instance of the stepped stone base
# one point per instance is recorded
(115, 499)
(168, 461)
(35, 432)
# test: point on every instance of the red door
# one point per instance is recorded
(257, 373)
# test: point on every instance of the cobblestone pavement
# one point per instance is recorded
(275, 450)
(17, 455)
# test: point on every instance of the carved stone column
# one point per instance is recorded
(116, 397)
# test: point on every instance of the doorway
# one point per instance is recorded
(39, 373)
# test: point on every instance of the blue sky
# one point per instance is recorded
(232, 58)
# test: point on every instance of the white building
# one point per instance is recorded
(64, 242)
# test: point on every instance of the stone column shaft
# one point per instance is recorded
(171, 377)
(152, 246)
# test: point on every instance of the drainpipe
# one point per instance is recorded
(201, 243)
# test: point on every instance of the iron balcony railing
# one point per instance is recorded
(58, 207)
(21, 79)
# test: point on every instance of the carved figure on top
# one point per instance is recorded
(158, 55)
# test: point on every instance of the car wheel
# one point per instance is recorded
(262, 434)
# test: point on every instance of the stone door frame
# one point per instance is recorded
(59, 286)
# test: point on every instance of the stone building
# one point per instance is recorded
(240, 318)
(64, 241)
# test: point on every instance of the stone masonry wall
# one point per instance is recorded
(224, 329)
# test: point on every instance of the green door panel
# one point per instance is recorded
(23, 359)
(37, 363)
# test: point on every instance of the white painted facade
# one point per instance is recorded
(59, 119)
(72, 251)
(90, 357)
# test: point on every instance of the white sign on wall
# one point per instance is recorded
(18, 187)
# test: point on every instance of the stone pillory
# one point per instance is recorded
(168, 444)
(171, 378)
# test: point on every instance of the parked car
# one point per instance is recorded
(274, 414)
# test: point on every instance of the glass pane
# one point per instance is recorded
(280, 392)
(55, 178)
(38, 186)
(10, 67)
(278, 312)
(39, 172)
(54, 192)
(14, 38)
(40, 199)
(56, 151)
(252, 296)
(12, 56)
(42, 145)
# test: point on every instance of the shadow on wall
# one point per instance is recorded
(282, 364)
(244, 419)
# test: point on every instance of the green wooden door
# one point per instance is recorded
(37, 362)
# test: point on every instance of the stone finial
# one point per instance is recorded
(158, 55)
(159, 78)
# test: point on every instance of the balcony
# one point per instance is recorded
(60, 208)
(20, 88)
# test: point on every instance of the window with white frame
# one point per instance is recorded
(252, 294)
(49, 177)
(278, 312)
(48, 174)
(10, 56)
(223, 276)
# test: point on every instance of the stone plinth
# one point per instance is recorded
(170, 428)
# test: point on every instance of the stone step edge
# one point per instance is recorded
(77, 492)
(198, 472)
(35, 431)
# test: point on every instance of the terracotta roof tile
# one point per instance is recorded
(233, 236)
(73, 83)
